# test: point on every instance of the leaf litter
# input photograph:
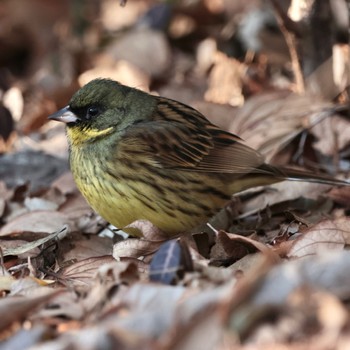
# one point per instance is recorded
(273, 272)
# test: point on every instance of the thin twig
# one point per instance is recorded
(290, 32)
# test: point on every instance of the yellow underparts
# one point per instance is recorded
(121, 198)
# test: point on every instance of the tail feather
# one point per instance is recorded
(267, 174)
(291, 174)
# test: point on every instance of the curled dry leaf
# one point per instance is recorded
(324, 236)
(233, 247)
(147, 230)
(135, 248)
(28, 246)
(19, 248)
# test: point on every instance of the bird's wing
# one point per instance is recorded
(180, 137)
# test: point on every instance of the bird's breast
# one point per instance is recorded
(126, 190)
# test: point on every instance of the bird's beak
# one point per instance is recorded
(64, 115)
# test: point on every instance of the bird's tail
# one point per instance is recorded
(285, 173)
(267, 174)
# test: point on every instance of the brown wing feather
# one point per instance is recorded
(180, 137)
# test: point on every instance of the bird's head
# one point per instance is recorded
(102, 107)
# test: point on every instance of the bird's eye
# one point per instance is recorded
(92, 112)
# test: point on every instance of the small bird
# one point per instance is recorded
(138, 156)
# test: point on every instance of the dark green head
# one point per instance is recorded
(105, 104)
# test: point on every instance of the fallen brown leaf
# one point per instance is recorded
(80, 275)
(268, 122)
(28, 246)
(135, 248)
(325, 236)
(36, 221)
(284, 191)
(225, 81)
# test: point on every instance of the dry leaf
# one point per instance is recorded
(225, 85)
(36, 221)
(135, 248)
(147, 229)
(28, 246)
(268, 122)
(80, 274)
(81, 247)
(284, 191)
(326, 236)
(234, 247)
